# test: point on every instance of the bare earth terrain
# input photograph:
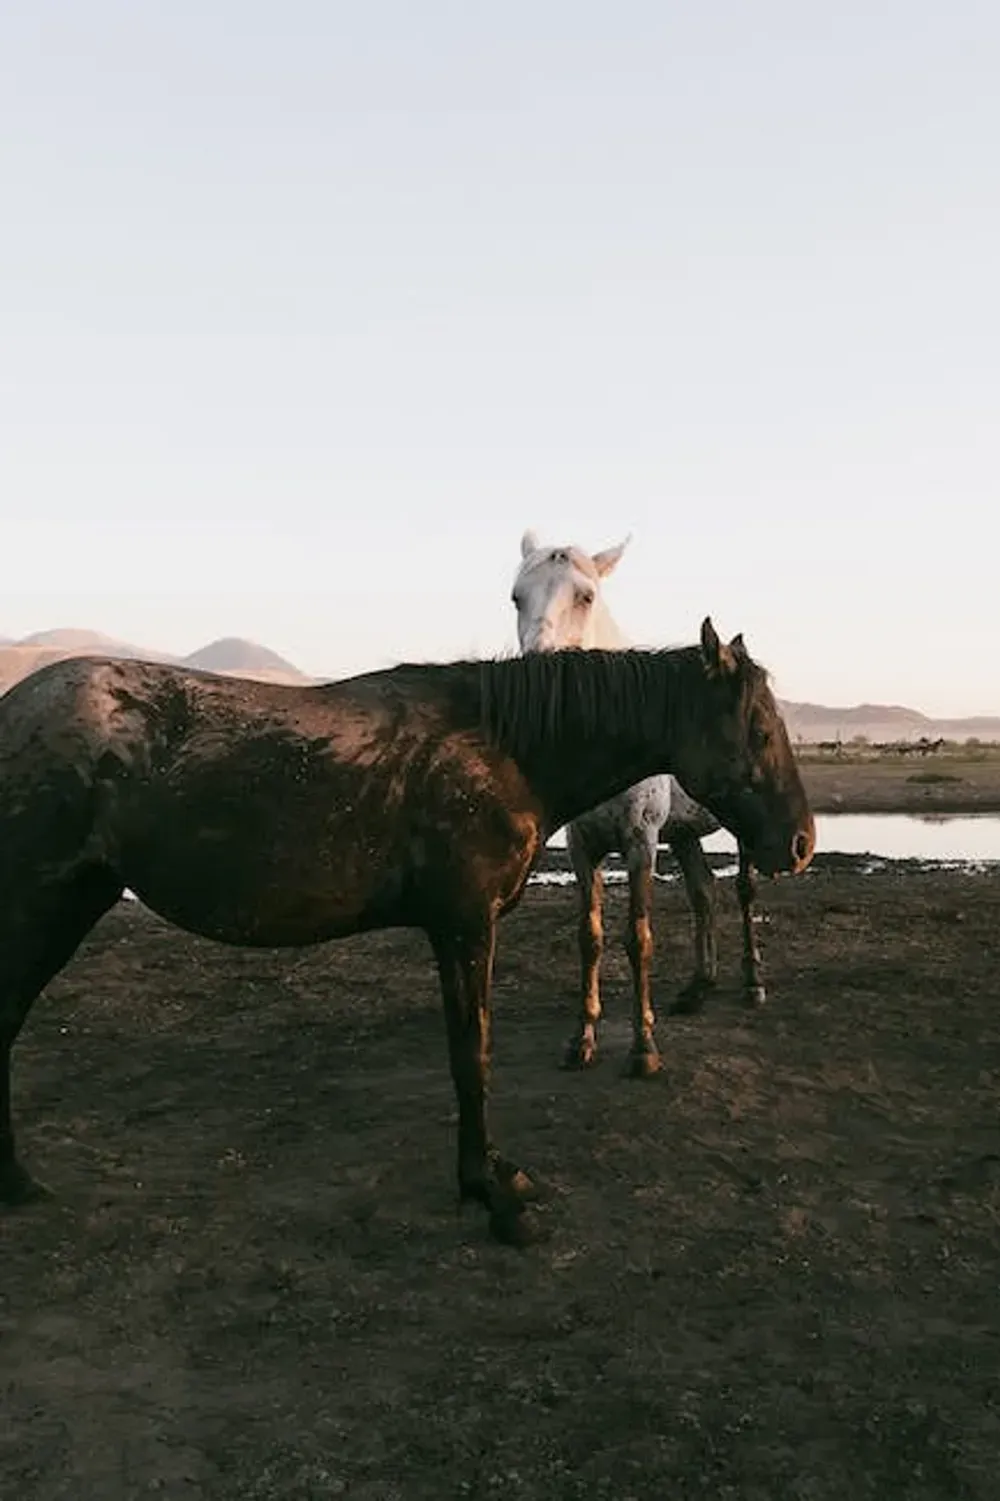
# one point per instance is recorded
(770, 1273)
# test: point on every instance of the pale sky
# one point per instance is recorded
(308, 309)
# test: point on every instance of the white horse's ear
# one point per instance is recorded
(609, 559)
(529, 544)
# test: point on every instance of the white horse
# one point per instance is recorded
(557, 595)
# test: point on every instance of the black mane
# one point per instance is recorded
(541, 694)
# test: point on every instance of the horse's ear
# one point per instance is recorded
(711, 646)
(529, 544)
(718, 659)
(738, 648)
(607, 560)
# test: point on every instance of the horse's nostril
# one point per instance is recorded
(800, 848)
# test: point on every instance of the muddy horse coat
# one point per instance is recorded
(421, 796)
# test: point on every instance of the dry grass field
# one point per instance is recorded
(860, 779)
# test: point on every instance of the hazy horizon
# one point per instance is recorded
(158, 648)
(308, 313)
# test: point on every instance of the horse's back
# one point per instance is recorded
(84, 720)
(52, 713)
(49, 688)
(107, 699)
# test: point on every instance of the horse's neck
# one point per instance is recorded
(603, 630)
(577, 759)
(584, 782)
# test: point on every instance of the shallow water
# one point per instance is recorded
(968, 839)
(898, 836)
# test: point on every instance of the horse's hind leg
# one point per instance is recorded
(464, 953)
(39, 933)
(581, 1050)
(644, 1058)
(700, 885)
(754, 993)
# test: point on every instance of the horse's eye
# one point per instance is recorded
(585, 597)
(514, 597)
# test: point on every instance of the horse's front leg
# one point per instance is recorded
(644, 1059)
(16, 1184)
(754, 993)
(465, 965)
(581, 1050)
(699, 883)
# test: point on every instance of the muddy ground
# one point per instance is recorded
(858, 780)
(771, 1272)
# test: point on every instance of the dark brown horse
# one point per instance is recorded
(420, 796)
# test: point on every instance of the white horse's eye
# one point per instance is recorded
(585, 596)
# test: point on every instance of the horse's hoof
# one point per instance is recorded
(643, 1065)
(514, 1226)
(579, 1055)
(514, 1180)
(754, 996)
(692, 998)
(18, 1188)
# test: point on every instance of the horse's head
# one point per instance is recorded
(735, 758)
(557, 595)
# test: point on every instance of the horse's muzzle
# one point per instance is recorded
(803, 847)
(773, 852)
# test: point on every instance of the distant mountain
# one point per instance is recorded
(72, 640)
(231, 657)
(231, 654)
(881, 722)
(68, 642)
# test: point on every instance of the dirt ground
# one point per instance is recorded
(858, 780)
(771, 1272)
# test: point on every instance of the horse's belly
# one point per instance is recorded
(267, 898)
(254, 924)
